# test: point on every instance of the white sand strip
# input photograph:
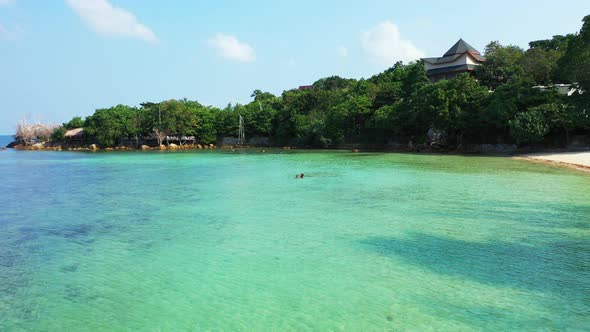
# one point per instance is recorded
(575, 159)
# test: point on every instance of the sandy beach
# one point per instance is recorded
(580, 160)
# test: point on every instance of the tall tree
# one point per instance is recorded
(501, 66)
(540, 64)
(75, 122)
(111, 125)
(575, 64)
(540, 61)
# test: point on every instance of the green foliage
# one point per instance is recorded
(58, 134)
(414, 79)
(575, 64)
(454, 106)
(110, 125)
(76, 122)
(333, 83)
(578, 108)
(501, 65)
(180, 117)
(557, 43)
(558, 116)
(540, 65)
(226, 122)
(400, 104)
(509, 100)
(540, 61)
(258, 118)
(529, 127)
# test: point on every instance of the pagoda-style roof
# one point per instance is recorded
(456, 51)
(460, 58)
(452, 69)
(461, 47)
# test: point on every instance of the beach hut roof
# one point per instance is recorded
(76, 132)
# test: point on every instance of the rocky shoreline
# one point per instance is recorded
(481, 149)
(95, 147)
(418, 148)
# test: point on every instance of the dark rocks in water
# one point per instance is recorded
(11, 145)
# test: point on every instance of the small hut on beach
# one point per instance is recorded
(74, 135)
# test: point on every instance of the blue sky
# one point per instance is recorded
(62, 58)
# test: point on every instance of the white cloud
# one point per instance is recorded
(343, 51)
(229, 47)
(109, 20)
(385, 45)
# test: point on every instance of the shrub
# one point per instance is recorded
(528, 127)
(58, 134)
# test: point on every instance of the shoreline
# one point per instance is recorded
(422, 149)
(95, 147)
(89, 146)
(574, 160)
(578, 160)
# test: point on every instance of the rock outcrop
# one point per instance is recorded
(59, 146)
(38, 146)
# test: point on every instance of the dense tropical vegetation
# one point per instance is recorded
(498, 104)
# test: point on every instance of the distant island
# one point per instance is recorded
(505, 98)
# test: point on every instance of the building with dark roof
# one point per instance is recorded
(461, 58)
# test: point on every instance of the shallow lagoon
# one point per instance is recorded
(219, 240)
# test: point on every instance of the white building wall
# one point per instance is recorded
(463, 60)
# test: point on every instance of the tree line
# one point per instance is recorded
(498, 104)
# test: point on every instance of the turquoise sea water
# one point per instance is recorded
(217, 240)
